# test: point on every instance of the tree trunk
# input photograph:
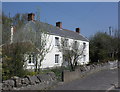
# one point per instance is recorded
(36, 65)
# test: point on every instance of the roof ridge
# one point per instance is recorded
(84, 37)
(76, 33)
(52, 29)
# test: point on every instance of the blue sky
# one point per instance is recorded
(89, 16)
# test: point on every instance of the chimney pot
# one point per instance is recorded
(31, 16)
(78, 30)
(59, 24)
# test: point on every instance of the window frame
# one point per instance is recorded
(66, 43)
(30, 58)
(84, 57)
(57, 41)
(75, 44)
(84, 45)
(57, 58)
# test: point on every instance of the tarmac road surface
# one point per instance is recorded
(102, 80)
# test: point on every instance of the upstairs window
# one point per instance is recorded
(75, 44)
(66, 43)
(84, 45)
(56, 41)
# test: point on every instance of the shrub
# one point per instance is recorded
(31, 73)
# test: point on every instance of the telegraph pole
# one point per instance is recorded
(118, 58)
(118, 63)
(118, 44)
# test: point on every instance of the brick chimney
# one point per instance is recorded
(78, 30)
(31, 16)
(59, 24)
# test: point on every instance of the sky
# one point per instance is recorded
(90, 17)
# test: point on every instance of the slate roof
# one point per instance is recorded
(53, 30)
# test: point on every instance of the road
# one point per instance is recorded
(101, 80)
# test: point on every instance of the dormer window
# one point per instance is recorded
(56, 41)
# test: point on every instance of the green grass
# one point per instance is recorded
(58, 72)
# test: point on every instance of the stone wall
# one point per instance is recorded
(36, 82)
(42, 81)
(69, 76)
(81, 71)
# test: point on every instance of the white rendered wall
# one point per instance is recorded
(49, 60)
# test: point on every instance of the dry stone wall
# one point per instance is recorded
(29, 82)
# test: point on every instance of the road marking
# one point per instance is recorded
(113, 68)
(112, 87)
(109, 89)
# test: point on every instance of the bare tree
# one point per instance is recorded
(39, 38)
(71, 52)
(42, 45)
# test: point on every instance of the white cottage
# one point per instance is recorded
(54, 57)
